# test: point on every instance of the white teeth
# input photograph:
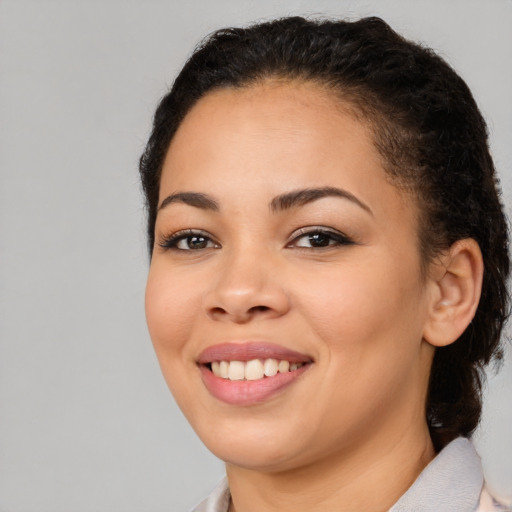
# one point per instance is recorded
(236, 370)
(270, 367)
(224, 369)
(254, 369)
(283, 366)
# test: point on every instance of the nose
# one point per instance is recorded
(246, 287)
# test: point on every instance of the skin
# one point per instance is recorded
(355, 420)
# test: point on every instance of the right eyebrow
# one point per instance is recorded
(196, 199)
(301, 197)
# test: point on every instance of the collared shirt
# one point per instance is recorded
(452, 482)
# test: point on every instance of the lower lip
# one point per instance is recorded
(248, 392)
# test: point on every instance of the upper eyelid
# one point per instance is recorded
(297, 233)
(335, 235)
(316, 229)
(184, 233)
(189, 232)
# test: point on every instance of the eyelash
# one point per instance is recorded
(173, 241)
(334, 239)
(337, 237)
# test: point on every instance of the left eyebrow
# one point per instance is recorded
(301, 197)
(196, 199)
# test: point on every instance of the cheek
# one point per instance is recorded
(171, 313)
(365, 305)
(171, 307)
(369, 321)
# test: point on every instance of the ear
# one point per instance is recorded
(456, 283)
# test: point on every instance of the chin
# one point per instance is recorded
(255, 458)
(254, 447)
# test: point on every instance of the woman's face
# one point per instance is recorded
(279, 240)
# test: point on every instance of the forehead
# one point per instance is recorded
(269, 122)
(282, 135)
(274, 104)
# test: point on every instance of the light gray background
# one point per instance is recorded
(86, 421)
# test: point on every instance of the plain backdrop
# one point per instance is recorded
(86, 421)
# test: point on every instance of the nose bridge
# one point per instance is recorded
(246, 285)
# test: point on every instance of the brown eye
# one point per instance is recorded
(319, 239)
(188, 240)
(193, 242)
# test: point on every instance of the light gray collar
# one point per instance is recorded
(453, 481)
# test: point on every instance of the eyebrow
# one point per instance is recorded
(293, 199)
(301, 197)
(196, 199)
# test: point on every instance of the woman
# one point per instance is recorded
(329, 265)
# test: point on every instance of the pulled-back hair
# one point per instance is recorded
(430, 134)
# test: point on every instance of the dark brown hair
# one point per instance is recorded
(431, 136)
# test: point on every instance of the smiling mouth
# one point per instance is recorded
(247, 374)
(254, 369)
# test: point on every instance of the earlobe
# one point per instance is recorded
(456, 281)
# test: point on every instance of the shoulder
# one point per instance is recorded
(217, 501)
(453, 481)
(490, 504)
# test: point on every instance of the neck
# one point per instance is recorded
(371, 477)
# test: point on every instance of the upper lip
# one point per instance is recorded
(247, 351)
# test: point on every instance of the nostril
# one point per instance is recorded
(229, 303)
(218, 311)
(239, 315)
(258, 309)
